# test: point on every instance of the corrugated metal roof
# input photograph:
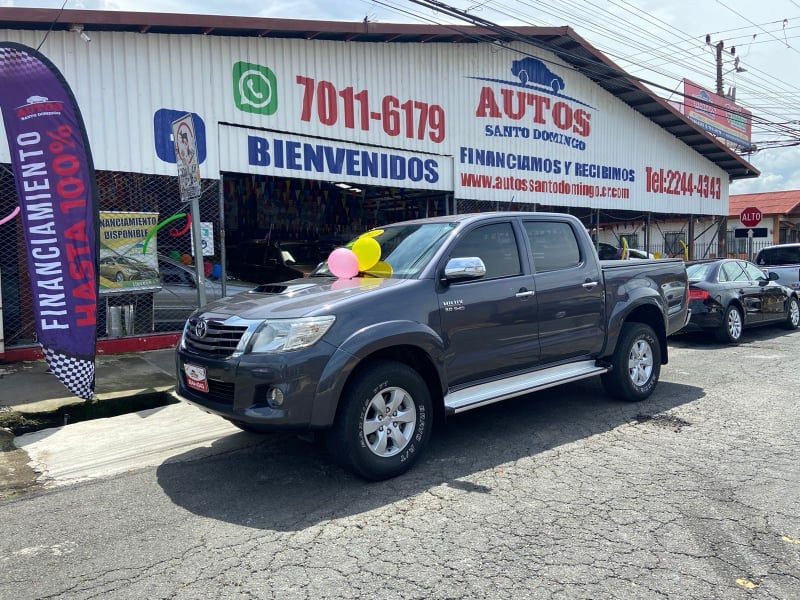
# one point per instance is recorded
(563, 41)
(769, 203)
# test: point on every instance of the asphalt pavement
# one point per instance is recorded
(563, 494)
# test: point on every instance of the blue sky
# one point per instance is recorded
(664, 42)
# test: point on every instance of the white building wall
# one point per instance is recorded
(577, 146)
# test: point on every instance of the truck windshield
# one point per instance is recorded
(407, 249)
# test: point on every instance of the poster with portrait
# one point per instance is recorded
(183, 136)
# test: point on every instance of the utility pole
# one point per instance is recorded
(722, 227)
(720, 85)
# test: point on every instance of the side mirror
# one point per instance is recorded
(773, 276)
(464, 269)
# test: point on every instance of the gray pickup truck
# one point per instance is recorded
(784, 261)
(470, 309)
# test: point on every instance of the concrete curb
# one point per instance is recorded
(6, 440)
(56, 404)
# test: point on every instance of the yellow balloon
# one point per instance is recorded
(367, 251)
(373, 233)
(380, 269)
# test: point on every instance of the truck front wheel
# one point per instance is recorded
(636, 364)
(384, 422)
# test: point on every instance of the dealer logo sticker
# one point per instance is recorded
(255, 88)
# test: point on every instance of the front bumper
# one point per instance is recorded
(239, 386)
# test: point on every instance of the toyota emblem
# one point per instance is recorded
(201, 328)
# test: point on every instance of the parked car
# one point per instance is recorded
(124, 268)
(784, 261)
(729, 295)
(177, 298)
(271, 262)
(609, 252)
(472, 309)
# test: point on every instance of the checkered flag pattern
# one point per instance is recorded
(75, 373)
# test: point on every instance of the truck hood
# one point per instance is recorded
(298, 297)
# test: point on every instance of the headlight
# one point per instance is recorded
(284, 335)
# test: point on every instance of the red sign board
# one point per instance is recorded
(717, 115)
(750, 216)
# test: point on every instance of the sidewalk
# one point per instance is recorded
(28, 387)
(124, 383)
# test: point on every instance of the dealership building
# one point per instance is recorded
(316, 131)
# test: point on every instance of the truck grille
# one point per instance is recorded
(219, 339)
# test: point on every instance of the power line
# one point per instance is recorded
(442, 10)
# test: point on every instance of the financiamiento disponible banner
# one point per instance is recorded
(57, 193)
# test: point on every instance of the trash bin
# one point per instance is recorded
(125, 315)
(120, 320)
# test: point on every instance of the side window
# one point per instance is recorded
(753, 272)
(554, 245)
(733, 272)
(496, 245)
(779, 256)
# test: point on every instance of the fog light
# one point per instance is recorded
(274, 398)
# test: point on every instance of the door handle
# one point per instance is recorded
(590, 285)
(525, 294)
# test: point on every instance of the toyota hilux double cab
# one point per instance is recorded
(460, 311)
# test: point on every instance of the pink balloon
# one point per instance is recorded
(343, 263)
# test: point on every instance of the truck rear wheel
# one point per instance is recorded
(636, 364)
(384, 421)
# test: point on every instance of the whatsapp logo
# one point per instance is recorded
(255, 88)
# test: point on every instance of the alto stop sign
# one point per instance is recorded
(750, 217)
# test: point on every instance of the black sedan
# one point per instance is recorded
(727, 295)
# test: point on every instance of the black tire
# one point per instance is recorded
(359, 439)
(119, 277)
(730, 330)
(792, 314)
(636, 364)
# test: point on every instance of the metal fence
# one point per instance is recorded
(165, 310)
(120, 314)
(668, 247)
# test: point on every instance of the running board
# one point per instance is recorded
(495, 391)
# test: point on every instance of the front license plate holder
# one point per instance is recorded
(196, 377)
